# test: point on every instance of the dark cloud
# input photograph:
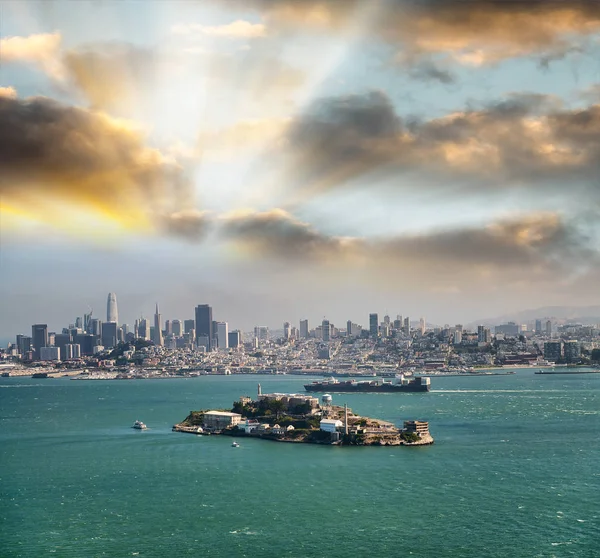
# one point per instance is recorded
(429, 71)
(189, 225)
(527, 139)
(534, 243)
(53, 153)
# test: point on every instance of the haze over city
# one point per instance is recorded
(282, 160)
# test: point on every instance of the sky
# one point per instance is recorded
(297, 159)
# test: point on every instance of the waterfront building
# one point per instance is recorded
(222, 335)
(373, 325)
(204, 325)
(220, 419)
(158, 337)
(572, 351)
(49, 353)
(304, 329)
(330, 425)
(39, 336)
(112, 314)
(553, 350)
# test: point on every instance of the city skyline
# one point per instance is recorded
(298, 157)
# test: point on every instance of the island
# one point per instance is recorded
(301, 418)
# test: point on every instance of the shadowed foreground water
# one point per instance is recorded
(514, 472)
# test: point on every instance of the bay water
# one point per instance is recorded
(514, 471)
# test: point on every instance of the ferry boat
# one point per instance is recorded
(402, 384)
(139, 425)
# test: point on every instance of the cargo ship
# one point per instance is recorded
(401, 384)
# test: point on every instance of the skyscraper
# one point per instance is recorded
(222, 335)
(325, 331)
(109, 335)
(176, 328)
(39, 336)
(111, 308)
(204, 325)
(406, 326)
(304, 329)
(158, 338)
(373, 325)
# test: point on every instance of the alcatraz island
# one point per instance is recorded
(300, 418)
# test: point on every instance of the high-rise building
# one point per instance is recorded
(189, 326)
(95, 327)
(177, 328)
(79, 323)
(39, 337)
(61, 340)
(110, 335)
(86, 322)
(553, 350)
(304, 329)
(572, 351)
(457, 337)
(112, 314)
(158, 337)
(386, 320)
(222, 335)
(168, 328)
(406, 328)
(204, 325)
(143, 329)
(422, 326)
(72, 352)
(49, 353)
(538, 326)
(261, 333)
(481, 334)
(235, 339)
(86, 342)
(373, 325)
(549, 328)
(326, 331)
(287, 331)
(23, 344)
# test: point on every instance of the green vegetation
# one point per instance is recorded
(410, 437)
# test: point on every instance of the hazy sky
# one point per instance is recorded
(289, 159)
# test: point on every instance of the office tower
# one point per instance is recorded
(72, 352)
(261, 333)
(109, 335)
(386, 320)
(422, 326)
(143, 329)
(86, 342)
(457, 337)
(222, 335)
(86, 322)
(168, 328)
(538, 326)
(325, 331)
(51, 336)
(95, 327)
(406, 329)
(572, 351)
(158, 337)
(304, 329)
(189, 326)
(39, 337)
(125, 328)
(373, 325)
(549, 328)
(235, 339)
(287, 331)
(49, 353)
(79, 323)
(481, 334)
(61, 340)
(23, 344)
(176, 328)
(204, 325)
(111, 308)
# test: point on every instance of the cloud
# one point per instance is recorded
(42, 50)
(427, 70)
(8, 92)
(190, 225)
(527, 139)
(541, 245)
(470, 33)
(58, 160)
(238, 29)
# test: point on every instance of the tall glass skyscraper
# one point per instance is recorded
(204, 325)
(112, 314)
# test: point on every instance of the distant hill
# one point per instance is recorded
(573, 314)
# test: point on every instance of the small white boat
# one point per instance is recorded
(139, 425)
(235, 444)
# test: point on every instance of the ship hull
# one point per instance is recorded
(382, 388)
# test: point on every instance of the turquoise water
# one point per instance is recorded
(515, 471)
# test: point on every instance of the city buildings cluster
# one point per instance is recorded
(388, 345)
